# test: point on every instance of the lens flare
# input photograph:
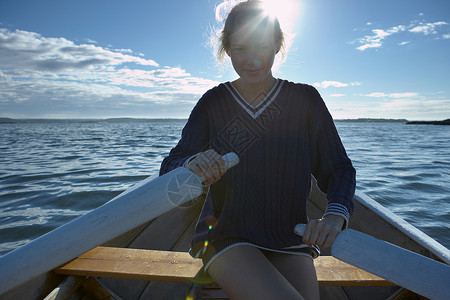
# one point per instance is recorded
(285, 10)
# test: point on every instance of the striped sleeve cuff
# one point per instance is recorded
(339, 210)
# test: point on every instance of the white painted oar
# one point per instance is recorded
(136, 206)
(410, 270)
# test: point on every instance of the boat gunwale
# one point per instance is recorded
(404, 227)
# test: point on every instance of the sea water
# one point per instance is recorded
(52, 171)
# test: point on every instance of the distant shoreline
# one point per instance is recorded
(361, 120)
(444, 122)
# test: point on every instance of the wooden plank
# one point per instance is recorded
(332, 271)
(134, 264)
(172, 290)
(161, 234)
(181, 267)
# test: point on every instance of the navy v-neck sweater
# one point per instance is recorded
(280, 143)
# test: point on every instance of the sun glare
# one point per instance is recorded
(285, 10)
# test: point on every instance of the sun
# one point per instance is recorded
(286, 11)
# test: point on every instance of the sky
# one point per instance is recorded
(153, 59)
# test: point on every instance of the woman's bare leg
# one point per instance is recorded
(299, 271)
(243, 272)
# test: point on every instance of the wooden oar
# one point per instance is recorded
(145, 201)
(410, 270)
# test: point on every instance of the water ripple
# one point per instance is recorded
(52, 172)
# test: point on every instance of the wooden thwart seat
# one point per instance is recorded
(181, 267)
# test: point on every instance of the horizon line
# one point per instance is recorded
(171, 118)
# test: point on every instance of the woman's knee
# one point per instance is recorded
(228, 262)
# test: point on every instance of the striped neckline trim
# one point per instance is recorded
(255, 111)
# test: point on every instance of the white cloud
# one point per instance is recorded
(419, 108)
(403, 43)
(403, 95)
(366, 46)
(427, 28)
(378, 36)
(329, 83)
(376, 95)
(325, 84)
(395, 104)
(375, 40)
(337, 95)
(32, 51)
(37, 72)
(446, 36)
(392, 95)
(431, 109)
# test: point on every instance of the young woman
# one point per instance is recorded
(282, 133)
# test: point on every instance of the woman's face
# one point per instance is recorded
(252, 54)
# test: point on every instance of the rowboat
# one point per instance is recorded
(169, 234)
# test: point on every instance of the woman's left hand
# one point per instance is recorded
(322, 232)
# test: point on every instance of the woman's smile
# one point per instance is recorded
(252, 72)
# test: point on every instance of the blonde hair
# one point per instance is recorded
(234, 14)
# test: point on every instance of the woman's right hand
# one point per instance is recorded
(209, 165)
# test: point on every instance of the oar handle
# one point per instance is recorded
(300, 229)
(231, 159)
